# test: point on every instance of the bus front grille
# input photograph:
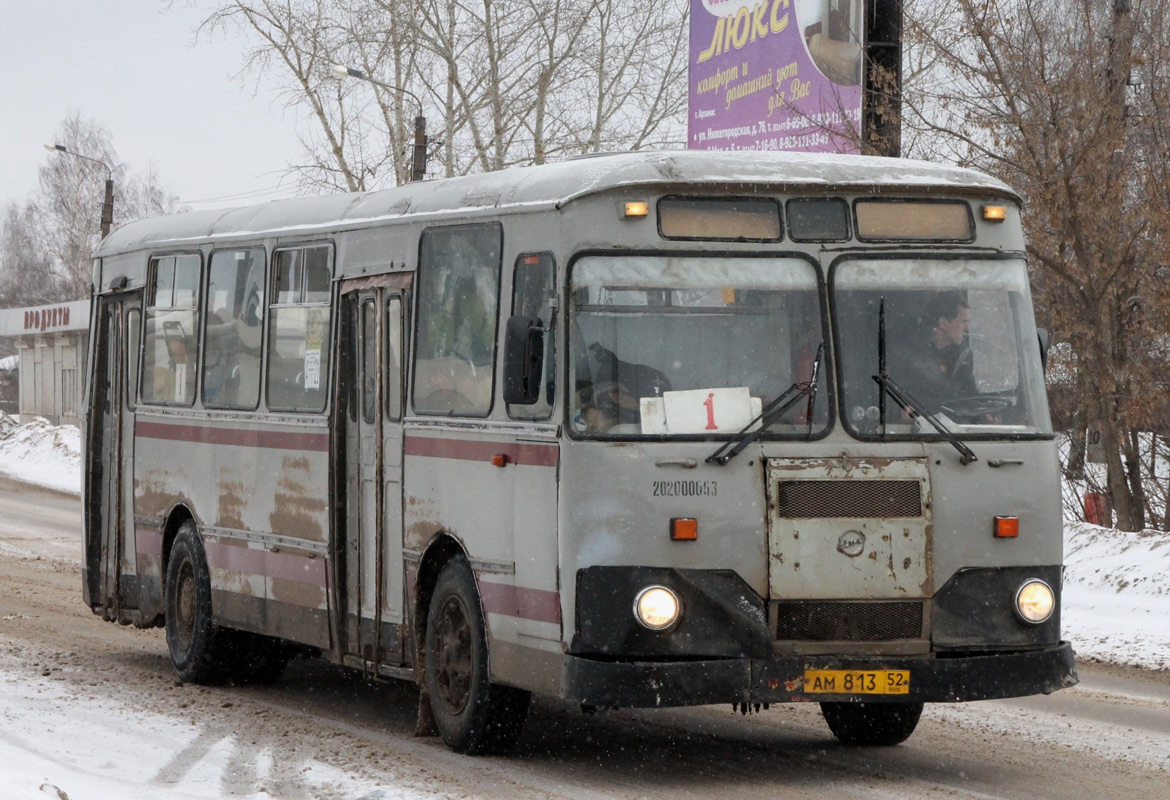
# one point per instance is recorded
(822, 621)
(834, 499)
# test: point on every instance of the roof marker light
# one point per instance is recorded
(637, 209)
(995, 213)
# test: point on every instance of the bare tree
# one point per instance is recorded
(512, 81)
(46, 246)
(1067, 102)
(27, 274)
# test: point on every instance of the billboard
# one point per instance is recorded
(776, 75)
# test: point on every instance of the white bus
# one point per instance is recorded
(639, 430)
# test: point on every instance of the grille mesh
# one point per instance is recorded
(820, 499)
(848, 622)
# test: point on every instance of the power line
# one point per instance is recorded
(255, 193)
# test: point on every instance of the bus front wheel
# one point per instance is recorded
(872, 724)
(473, 714)
(192, 637)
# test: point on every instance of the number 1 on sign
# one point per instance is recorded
(709, 403)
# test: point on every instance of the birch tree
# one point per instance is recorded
(46, 244)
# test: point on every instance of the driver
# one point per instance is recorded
(942, 368)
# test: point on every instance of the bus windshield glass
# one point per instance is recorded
(694, 346)
(959, 341)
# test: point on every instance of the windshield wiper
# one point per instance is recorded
(905, 400)
(771, 412)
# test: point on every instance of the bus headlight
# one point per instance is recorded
(1035, 601)
(657, 608)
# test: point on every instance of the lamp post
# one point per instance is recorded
(418, 161)
(108, 203)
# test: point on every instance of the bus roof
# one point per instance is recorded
(551, 186)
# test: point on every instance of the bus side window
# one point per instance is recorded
(235, 313)
(133, 332)
(393, 383)
(170, 351)
(533, 287)
(458, 304)
(298, 334)
(369, 350)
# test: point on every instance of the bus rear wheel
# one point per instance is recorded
(473, 715)
(192, 637)
(872, 724)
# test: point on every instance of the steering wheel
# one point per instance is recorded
(976, 408)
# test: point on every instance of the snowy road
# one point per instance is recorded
(91, 711)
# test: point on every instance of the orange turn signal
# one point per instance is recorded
(684, 529)
(637, 209)
(1007, 527)
(995, 213)
(501, 460)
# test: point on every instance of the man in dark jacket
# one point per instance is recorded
(943, 369)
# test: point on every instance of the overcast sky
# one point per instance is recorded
(133, 67)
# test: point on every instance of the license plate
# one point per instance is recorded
(851, 681)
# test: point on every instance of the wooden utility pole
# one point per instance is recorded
(881, 115)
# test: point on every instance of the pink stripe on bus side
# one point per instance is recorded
(202, 434)
(540, 605)
(148, 542)
(284, 566)
(534, 455)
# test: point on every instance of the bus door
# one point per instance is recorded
(109, 471)
(372, 552)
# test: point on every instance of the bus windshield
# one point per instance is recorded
(694, 345)
(959, 340)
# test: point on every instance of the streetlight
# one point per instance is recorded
(108, 203)
(418, 164)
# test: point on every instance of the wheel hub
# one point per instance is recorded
(453, 655)
(185, 606)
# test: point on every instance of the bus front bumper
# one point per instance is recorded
(950, 679)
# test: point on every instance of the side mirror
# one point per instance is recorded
(523, 360)
(1042, 335)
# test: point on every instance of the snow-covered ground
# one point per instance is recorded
(1116, 609)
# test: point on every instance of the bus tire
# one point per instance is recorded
(872, 724)
(192, 637)
(473, 715)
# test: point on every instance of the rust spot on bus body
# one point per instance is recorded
(153, 499)
(297, 509)
(231, 505)
(296, 593)
(420, 534)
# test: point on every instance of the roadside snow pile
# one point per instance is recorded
(1117, 594)
(40, 453)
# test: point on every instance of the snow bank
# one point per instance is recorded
(40, 453)
(1117, 595)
